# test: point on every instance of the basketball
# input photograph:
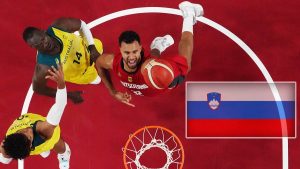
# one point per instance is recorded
(157, 73)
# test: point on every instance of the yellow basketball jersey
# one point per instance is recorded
(27, 120)
(76, 58)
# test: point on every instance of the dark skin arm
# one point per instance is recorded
(67, 24)
(103, 65)
(45, 129)
(39, 84)
(72, 25)
(2, 151)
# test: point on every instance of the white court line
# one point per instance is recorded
(266, 74)
(24, 111)
(27, 101)
(218, 27)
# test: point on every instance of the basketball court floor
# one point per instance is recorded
(97, 129)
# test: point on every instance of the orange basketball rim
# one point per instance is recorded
(150, 137)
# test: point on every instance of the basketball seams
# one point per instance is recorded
(149, 67)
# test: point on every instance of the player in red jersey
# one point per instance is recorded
(126, 64)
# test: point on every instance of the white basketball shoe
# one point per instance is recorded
(191, 10)
(64, 159)
(162, 43)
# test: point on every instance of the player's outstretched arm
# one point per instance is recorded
(39, 84)
(3, 157)
(73, 24)
(55, 113)
(57, 109)
(103, 65)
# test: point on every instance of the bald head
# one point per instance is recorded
(38, 39)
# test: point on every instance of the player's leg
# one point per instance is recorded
(189, 12)
(160, 44)
(63, 154)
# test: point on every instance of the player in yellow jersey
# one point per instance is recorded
(76, 53)
(32, 134)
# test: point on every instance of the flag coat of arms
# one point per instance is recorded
(240, 109)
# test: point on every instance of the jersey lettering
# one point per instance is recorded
(137, 92)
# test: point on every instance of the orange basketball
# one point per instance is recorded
(157, 73)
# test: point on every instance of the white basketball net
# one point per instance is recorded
(173, 154)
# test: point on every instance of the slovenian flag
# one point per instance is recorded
(240, 110)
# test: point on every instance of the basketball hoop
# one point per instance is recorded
(150, 137)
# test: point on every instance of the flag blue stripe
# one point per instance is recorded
(240, 110)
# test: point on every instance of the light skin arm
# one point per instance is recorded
(39, 84)
(103, 65)
(186, 46)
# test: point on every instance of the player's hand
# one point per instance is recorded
(75, 96)
(94, 54)
(124, 98)
(57, 75)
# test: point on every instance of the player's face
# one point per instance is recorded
(131, 54)
(41, 41)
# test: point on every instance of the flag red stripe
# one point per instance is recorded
(238, 128)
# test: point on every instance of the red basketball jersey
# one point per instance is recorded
(135, 83)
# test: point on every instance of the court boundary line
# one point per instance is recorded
(206, 21)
